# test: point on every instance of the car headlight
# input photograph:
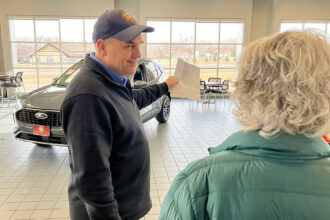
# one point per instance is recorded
(18, 105)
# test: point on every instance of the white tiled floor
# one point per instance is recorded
(33, 179)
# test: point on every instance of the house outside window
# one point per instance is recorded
(49, 59)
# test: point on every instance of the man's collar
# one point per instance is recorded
(121, 80)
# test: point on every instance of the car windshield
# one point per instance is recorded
(68, 75)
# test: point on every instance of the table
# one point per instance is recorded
(213, 85)
(4, 77)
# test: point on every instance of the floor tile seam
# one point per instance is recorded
(19, 201)
(44, 193)
(165, 172)
(12, 193)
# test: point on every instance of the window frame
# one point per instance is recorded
(218, 44)
(304, 22)
(37, 68)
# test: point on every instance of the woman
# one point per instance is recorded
(279, 166)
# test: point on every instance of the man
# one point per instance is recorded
(109, 152)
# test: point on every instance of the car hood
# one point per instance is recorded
(48, 98)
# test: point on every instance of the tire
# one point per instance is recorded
(164, 113)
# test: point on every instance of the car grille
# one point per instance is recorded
(28, 116)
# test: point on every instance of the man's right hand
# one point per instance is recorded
(171, 82)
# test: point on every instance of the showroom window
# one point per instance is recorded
(321, 27)
(212, 45)
(44, 47)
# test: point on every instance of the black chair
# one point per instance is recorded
(222, 89)
(216, 80)
(225, 87)
(213, 84)
(203, 91)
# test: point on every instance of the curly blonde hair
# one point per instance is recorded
(284, 85)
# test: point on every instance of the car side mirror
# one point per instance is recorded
(54, 80)
(140, 84)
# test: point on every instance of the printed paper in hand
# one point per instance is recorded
(189, 85)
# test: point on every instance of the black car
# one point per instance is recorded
(37, 114)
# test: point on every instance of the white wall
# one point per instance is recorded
(130, 6)
(261, 18)
(267, 15)
(70, 8)
(299, 10)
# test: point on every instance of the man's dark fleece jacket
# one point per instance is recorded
(109, 151)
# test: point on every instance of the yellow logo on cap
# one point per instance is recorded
(127, 17)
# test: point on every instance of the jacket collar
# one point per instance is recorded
(279, 146)
(121, 80)
(97, 68)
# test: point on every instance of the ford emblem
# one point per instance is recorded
(41, 115)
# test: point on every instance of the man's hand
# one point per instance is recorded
(171, 82)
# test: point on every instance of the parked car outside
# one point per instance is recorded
(37, 114)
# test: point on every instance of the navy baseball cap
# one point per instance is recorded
(118, 24)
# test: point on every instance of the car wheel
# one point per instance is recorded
(164, 113)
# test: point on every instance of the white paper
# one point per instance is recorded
(189, 85)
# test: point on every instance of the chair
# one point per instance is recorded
(203, 91)
(19, 80)
(222, 89)
(225, 87)
(225, 90)
(216, 80)
(213, 84)
(13, 82)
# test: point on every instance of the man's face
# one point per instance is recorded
(122, 56)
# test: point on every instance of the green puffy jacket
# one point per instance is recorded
(251, 177)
